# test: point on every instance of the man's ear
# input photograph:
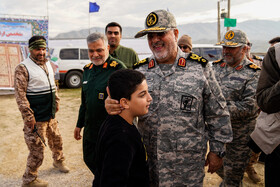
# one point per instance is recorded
(124, 103)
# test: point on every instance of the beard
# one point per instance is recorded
(159, 54)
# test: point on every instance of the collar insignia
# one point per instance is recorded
(151, 64)
(239, 67)
(91, 66)
(182, 62)
(223, 64)
(105, 65)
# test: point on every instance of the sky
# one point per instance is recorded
(69, 15)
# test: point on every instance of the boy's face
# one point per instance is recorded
(140, 100)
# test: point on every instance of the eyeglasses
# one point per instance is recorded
(183, 46)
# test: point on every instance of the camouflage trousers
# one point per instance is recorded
(36, 147)
(237, 155)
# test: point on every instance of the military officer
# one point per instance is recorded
(92, 112)
(238, 79)
(187, 110)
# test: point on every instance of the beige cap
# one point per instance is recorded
(185, 40)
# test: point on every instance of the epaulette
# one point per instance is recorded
(254, 67)
(140, 63)
(87, 66)
(113, 64)
(218, 61)
(257, 58)
(192, 56)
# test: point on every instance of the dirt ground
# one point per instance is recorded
(13, 150)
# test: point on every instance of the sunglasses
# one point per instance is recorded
(183, 46)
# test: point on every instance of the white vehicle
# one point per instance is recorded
(208, 51)
(71, 61)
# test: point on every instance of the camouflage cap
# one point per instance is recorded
(158, 21)
(234, 38)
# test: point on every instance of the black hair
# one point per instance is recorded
(34, 38)
(274, 40)
(113, 24)
(123, 83)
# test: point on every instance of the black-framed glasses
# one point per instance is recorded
(183, 46)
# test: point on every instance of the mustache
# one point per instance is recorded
(159, 43)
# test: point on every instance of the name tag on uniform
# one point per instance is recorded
(101, 96)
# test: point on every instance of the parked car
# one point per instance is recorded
(71, 61)
(208, 51)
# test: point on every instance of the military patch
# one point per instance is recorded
(182, 62)
(151, 19)
(140, 63)
(105, 65)
(90, 66)
(239, 67)
(186, 103)
(198, 59)
(229, 35)
(114, 64)
(254, 67)
(223, 64)
(101, 96)
(151, 64)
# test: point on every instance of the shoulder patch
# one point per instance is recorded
(140, 63)
(218, 61)
(257, 57)
(87, 66)
(192, 56)
(253, 66)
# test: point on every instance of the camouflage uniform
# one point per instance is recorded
(187, 110)
(238, 85)
(47, 128)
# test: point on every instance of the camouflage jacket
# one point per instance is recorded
(187, 110)
(21, 83)
(239, 86)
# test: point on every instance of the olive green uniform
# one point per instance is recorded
(92, 111)
(127, 55)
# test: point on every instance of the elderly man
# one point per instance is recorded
(127, 55)
(92, 112)
(238, 78)
(38, 101)
(187, 110)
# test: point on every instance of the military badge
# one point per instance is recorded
(198, 59)
(186, 103)
(223, 64)
(140, 63)
(254, 66)
(152, 19)
(91, 66)
(239, 67)
(151, 64)
(114, 63)
(105, 65)
(229, 35)
(101, 96)
(182, 62)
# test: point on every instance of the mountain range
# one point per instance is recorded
(259, 32)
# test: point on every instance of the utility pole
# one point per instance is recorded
(228, 13)
(219, 23)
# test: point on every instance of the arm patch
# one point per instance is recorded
(140, 63)
(194, 57)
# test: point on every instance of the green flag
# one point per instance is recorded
(229, 22)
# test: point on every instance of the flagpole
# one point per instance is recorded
(88, 20)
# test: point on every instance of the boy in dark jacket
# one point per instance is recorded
(120, 153)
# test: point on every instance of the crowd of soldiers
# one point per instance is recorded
(197, 105)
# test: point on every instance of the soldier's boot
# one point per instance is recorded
(61, 166)
(36, 183)
(252, 174)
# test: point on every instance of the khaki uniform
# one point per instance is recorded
(47, 128)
